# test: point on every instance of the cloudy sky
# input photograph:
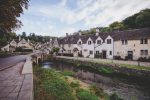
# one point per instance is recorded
(57, 17)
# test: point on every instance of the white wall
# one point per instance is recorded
(88, 48)
(105, 46)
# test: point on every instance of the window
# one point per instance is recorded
(144, 41)
(98, 41)
(97, 52)
(108, 41)
(124, 42)
(89, 42)
(91, 52)
(79, 43)
(110, 52)
(144, 52)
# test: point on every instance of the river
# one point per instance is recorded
(126, 87)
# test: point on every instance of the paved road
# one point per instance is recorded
(11, 61)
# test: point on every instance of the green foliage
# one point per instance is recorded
(138, 20)
(114, 96)
(50, 85)
(105, 70)
(3, 41)
(97, 90)
(67, 73)
(83, 94)
(10, 10)
(116, 26)
(55, 49)
(20, 49)
(74, 84)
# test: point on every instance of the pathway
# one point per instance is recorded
(146, 64)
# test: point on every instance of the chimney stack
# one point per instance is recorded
(67, 34)
(97, 31)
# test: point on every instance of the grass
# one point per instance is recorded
(126, 65)
(135, 67)
(50, 84)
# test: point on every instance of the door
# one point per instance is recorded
(104, 54)
(130, 55)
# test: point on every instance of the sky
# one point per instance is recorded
(58, 17)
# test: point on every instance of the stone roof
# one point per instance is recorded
(131, 34)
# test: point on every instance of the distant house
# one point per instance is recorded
(132, 44)
(13, 44)
(128, 44)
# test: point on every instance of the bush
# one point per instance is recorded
(80, 55)
(144, 59)
(99, 55)
(98, 91)
(117, 58)
(86, 95)
(114, 96)
(67, 73)
(51, 85)
(20, 49)
(105, 70)
(68, 54)
(74, 84)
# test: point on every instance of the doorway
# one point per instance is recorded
(104, 54)
(130, 55)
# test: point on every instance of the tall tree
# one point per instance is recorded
(10, 10)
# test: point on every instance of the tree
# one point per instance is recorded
(143, 20)
(10, 10)
(116, 26)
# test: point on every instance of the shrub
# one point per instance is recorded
(74, 84)
(99, 55)
(105, 70)
(20, 49)
(67, 73)
(98, 91)
(144, 59)
(117, 58)
(68, 54)
(83, 94)
(50, 85)
(114, 96)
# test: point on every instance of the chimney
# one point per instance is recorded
(80, 33)
(67, 34)
(97, 31)
(19, 38)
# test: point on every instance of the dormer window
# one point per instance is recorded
(108, 41)
(144, 41)
(98, 41)
(124, 42)
(89, 42)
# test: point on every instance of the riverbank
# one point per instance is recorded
(50, 84)
(110, 68)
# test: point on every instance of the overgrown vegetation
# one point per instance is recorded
(50, 84)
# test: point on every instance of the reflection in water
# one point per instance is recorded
(127, 89)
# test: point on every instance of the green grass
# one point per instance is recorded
(51, 85)
(135, 67)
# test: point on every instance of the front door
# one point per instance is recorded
(130, 55)
(104, 54)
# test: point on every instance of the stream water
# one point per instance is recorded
(127, 88)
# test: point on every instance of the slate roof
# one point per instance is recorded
(133, 34)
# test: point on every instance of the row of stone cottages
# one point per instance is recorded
(128, 44)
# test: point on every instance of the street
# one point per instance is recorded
(11, 61)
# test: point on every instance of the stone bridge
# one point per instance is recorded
(38, 57)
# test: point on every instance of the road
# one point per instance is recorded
(11, 61)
